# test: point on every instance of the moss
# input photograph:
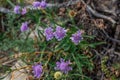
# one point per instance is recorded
(105, 69)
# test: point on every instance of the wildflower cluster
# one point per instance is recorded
(23, 11)
(41, 4)
(48, 44)
(62, 66)
(36, 4)
(19, 10)
(60, 33)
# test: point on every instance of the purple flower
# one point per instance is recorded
(60, 33)
(37, 70)
(24, 11)
(48, 33)
(43, 4)
(17, 9)
(63, 66)
(77, 37)
(24, 26)
(36, 4)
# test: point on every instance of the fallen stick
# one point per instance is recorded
(95, 13)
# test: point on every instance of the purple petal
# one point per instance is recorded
(49, 33)
(24, 27)
(76, 37)
(60, 33)
(17, 9)
(63, 66)
(43, 4)
(36, 4)
(37, 70)
(24, 11)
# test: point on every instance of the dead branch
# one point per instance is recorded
(9, 62)
(95, 13)
(112, 39)
(116, 36)
(117, 53)
(49, 5)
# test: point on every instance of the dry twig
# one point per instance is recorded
(5, 10)
(95, 13)
(112, 39)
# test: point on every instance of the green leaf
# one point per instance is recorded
(87, 36)
(93, 45)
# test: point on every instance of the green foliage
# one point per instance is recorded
(48, 52)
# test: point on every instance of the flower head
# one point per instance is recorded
(36, 4)
(24, 26)
(49, 33)
(37, 70)
(77, 37)
(60, 33)
(17, 9)
(24, 11)
(72, 13)
(57, 75)
(63, 66)
(43, 4)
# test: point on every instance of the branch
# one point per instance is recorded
(49, 5)
(112, 39)
(95, 13)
